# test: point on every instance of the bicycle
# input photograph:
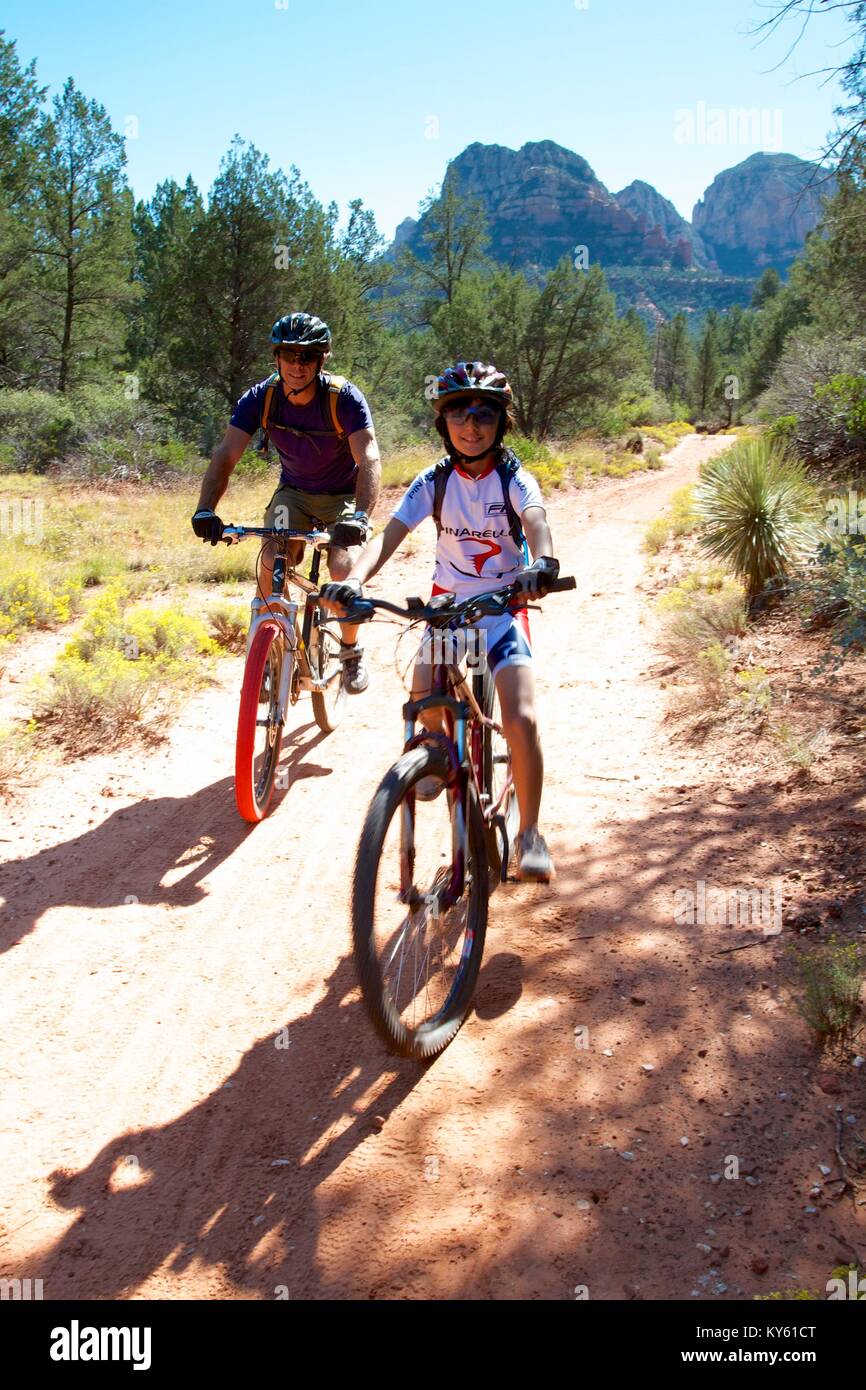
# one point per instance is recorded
(283, 660)
(418, 968)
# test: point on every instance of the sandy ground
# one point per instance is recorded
(194, 1105)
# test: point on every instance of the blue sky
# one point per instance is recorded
(371, 99)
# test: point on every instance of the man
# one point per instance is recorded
(488, 505)
(323, 432)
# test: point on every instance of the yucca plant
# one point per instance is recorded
(759, 512)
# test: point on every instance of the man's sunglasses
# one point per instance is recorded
(484, 414)
(305, 357)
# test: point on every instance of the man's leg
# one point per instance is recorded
(281, 511)
(266, 564)
(340, 561)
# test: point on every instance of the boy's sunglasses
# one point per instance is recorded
(305, 357)
(484, 414)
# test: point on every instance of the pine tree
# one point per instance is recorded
(84, 243)
(705, 373)
(20, 148)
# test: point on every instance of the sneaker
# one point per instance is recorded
(534, 864)
(355, 677)
(428, 788)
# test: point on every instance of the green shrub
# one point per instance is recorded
(759, 512)
(671, 433)
(832, 592)
(799, 751)
(16, 754)
(755, 692)
(95, 704)
(229, 624)
(705, 609)
(117, 669)
(831, 977)
(656, 534)
(31, 598)
(35, 427)
(819, 390)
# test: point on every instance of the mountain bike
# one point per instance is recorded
(426, 863)
(284, 658)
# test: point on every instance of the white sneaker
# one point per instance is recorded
(534, 864)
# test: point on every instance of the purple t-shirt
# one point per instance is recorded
(310, 462)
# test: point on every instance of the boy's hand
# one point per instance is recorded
(336, 598)
(538, 578)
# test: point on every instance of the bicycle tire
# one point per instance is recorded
(254, 786)
(432, 1036)
(328, 706)
(502, 833)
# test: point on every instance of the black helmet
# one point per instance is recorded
(301, 330)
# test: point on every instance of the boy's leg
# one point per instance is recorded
(515, 686)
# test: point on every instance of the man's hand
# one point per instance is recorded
(538, 578)
(353, 531)
(338, 597)
(208, 526)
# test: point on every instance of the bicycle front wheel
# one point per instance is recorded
(418, 957)
(325, 665)
(260, 732)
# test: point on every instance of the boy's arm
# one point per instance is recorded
(537, 532)
(379, 551)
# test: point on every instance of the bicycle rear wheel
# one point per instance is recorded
(328, 705)
(418, 960)
(495, 776)
(260, 735)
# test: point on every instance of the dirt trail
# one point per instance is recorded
(194, 1105)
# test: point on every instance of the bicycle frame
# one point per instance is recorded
(460, 709)
(284, 611)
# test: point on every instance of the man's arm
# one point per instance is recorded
(222, 464)
(537, 531)
(365, 452)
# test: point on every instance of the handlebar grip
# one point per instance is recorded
(361, 611)
(560, 585)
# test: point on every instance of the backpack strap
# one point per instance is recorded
(506, 468)
(441, 473)
(335, 385)
(266, 408)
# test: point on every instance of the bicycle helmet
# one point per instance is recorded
(472, 379)
(301, 330)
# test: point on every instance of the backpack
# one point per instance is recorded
(333, 386)
(506, 468)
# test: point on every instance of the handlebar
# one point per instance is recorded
(447, 612)
(233, 534)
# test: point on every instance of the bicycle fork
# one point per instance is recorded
(451, 892)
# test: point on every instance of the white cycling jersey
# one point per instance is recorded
(475, 550)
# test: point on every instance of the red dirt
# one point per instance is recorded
(195, 1106)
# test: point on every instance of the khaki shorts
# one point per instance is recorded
(298, 510)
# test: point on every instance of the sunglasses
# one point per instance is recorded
(305, 357)
(484, 414)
